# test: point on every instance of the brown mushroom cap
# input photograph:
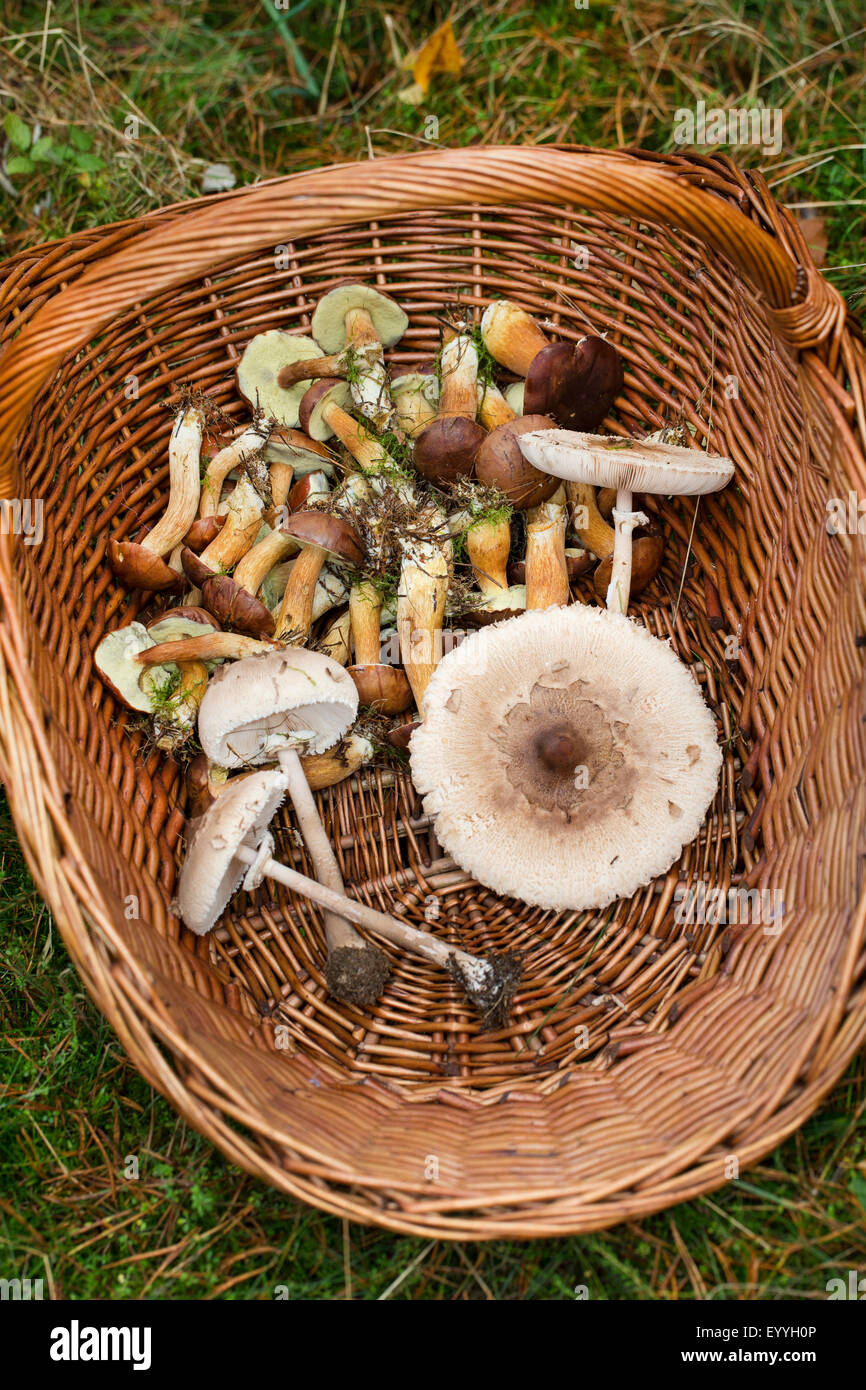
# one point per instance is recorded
(329, 390)
(383, 688)
(575, 385)
(311, 485)
(329, 533)
(303, 454)
(501, 464)
(402, 735)
(204, 530)
(235, 607)
(567, 756)
(196, 571)
(139, 568)
(447, 448)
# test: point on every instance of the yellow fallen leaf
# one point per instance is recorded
(414, 94)
(440, 53)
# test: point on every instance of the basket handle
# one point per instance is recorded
(286, 209)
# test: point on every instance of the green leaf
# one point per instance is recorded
(857, 1184)
(17, 132)
(43, 148)
(89, 162)
(81, 139)
(19, 164)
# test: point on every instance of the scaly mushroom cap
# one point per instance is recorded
(646, 465)
(255, 708)
(263, 359)
(211, 872)
(576, 384)
(501, 464)
(567, 756)
(329, 317)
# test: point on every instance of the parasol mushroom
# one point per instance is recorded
(630, 466)
(278, 706)
(566, 757)
(263, 359)
(446, 449)
(232, 845)
(140, 565)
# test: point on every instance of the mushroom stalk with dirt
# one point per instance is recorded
(250, 441)
(546, 561)
(488, 543)
(242, 525)
(232, 846)
(425, 575)
(321, 537)
(140, 565)
(279, 706)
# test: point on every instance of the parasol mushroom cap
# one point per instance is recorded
(212, 872)
(264, 357)
(299, 451)
(256, 708)
(329, 317)
(330, 390)
(567, 756)
(603, 460)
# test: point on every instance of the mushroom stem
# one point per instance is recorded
(487, 545)
(421, 596)
(473, 970)
(365, 607)
(511, 335)
(173, 725)
(624, 522)
(219, 467)
(282, 475)
(184, 451)
(459, 369)
(212, 646)
(416, 399)
(546, 563)
(493, 408)
(261, 558)
(364, 448)
(243, 522)
(339, 931)
(295, 617)
(336, 641)
(587, 521)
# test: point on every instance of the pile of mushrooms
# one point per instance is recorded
(307, 571)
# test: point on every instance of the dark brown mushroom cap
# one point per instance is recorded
(139, 568)
(501, 464)
(235, 607)
(314, 484)
(646, 556)
(204, 530)
(314, 395)
(447, 448)
(401, 736)
(383, 688)
(329, 533)
(575, 385)
(195, 569)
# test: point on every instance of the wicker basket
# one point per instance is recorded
(646, 1052)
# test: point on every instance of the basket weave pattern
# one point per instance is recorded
(644, 1050)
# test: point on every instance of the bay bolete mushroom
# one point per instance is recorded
(140, 565)
(575, 384)
(232, 845)
(488, 542)
(321, 537)
(566, 757)
(355, 322)
(384, 688)
(501, 464)
(291, 455)
(416, 400)
(248, 442)
(258, 373)
(447, 447)
(630, 466)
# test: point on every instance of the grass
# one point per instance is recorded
(131, 105)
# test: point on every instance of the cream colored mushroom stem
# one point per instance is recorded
(295, 616)
(184, 453)
(477, 974)
(219, 467)
(493, 408)
(487, 545)
(367, 452)
(421, 595)
(625, 519)
(546, 563)
(365, 609)
(261, 558)
(361, 361)
(242, 525)
(338, 929)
